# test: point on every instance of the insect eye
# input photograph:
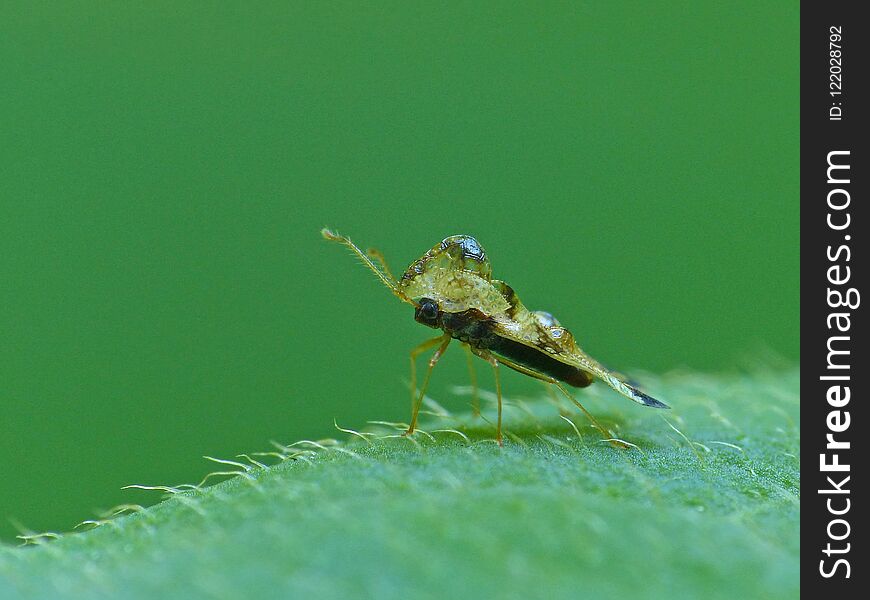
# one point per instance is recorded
(428, 309)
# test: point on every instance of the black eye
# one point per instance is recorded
(428, 309)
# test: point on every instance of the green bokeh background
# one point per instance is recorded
(166, 167)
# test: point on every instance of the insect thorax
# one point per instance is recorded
(470, 326)
(457, 275)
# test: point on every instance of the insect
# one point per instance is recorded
(451, 288)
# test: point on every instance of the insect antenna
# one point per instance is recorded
(379, 256)
(345, 241)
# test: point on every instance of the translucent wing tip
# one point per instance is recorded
(626, 387)
(646, 399)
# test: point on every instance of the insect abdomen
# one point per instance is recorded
(538, 360)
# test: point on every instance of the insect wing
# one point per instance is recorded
(541, 331)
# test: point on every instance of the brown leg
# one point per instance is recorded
(415, 407)
(472, 374)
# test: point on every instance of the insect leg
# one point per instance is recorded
(551, 394)
(494, 364)
(607, 434)
(472, 374)
(493, 360)
(379, 256)
(523, 369)
(531, 373)
(415, 408)
(415, 352)
(597, 425)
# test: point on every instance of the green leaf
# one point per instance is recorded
(707, 505)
